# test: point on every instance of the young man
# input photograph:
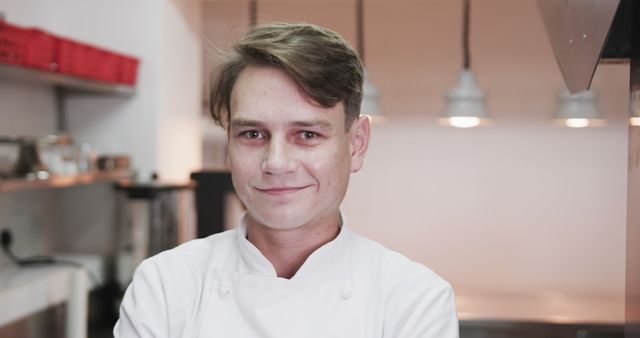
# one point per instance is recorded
(289, 97)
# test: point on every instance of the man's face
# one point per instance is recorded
(290, 158)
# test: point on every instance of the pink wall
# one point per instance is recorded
(516, 207)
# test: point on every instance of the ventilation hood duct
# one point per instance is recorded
(585, 32)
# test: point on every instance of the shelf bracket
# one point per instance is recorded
(61, 95)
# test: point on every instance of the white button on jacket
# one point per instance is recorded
(222, 286)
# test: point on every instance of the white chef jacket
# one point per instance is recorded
(222, 286)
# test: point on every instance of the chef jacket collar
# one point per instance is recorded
(321, 259)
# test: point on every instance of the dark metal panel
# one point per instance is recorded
(618, 45)
(210, 206)
(516, 329)
(632, 311)
(577, 30)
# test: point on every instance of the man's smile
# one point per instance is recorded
(282, 190)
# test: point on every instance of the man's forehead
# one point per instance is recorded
(267, 94)
(258, 77)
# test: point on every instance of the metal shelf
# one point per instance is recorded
(56, 182)
(68, 82)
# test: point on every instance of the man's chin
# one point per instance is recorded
(277, 221)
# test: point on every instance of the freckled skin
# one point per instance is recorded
(290, 160)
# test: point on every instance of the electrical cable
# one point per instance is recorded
(360, 28)
(6, 241)
(253, 13)
(465, 36)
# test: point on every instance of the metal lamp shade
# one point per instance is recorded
(371, 99)
(466, 103)
(578, 110)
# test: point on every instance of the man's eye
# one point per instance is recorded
(253, 134)
(308, 135)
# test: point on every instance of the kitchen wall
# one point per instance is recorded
(518, 207)
(157, 127)
(520, 204)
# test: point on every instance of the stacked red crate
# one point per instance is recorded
(107, 67)
(35, 48)
(66, 54)
(39, 49)
(12, 43)
(128, 70)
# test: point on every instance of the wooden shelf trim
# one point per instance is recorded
(62, 181)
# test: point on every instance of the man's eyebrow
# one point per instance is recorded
(245, 123)
(322, 124)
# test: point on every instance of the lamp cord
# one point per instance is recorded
(253, 13)
(360, 28)
(465, 35)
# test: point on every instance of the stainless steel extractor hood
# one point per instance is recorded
(584, 32)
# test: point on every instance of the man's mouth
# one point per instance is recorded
(281, 190)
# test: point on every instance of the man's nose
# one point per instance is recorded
(278, 158)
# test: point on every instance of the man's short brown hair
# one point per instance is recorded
(319, 60)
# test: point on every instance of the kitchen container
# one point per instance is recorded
(32, 48)
(113, 162)
(154, 216)
(35, 48)
(39, 50)
(12, 43)
(59, 154)
(9, 152)
(128, 70)
(20, 158)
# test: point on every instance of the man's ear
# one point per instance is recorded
(360, 134)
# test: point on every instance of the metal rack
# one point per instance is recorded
(73, 85)
(64, 85)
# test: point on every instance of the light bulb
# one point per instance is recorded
(577, 123)
(464, 121)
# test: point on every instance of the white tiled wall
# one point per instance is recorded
(73, 220)
(25, 214)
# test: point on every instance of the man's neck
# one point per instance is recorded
(287, 250)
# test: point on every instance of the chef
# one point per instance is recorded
(289, 97)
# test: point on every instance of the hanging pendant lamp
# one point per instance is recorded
(466, 101)
(578, 110)
(370, 93)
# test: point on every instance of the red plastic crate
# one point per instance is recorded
(107, 66)
(81, 58)
(64, 55)
(13, 41)
(39, 50)
(32, 48)
(35, 48)
(74, 58)
(128, 70)
(87, 61)
(90, 62)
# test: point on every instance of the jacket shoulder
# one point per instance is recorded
(417, 301)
